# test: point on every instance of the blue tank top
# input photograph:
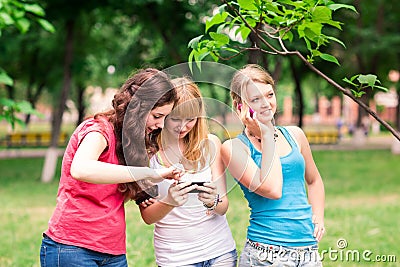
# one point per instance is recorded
(286, 221)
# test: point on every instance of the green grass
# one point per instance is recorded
(362, 207)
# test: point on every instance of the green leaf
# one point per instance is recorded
(214, 56)
(22, 24)
(24, 107)
(316, 53)
(231, 50)
(247, 4)
(5, 79)
(221, 38)
(336, 40)
(349, 82)
(272, 7)
(354, 77)
(252, 22)
(308, 44)
(195, 42)
(191, 56)
(309, 30)
(46, 25)
(315, 28)
(381, 88)
(286, 35)
(369, 79)
(329, 58)
(200, 55)
(35, 9)
(6, 19)
(321, 14)
(335, 24)
(335, 7)
(244, 32)
(357, 94)
(6, 102)
(17, 14)
(216, 19)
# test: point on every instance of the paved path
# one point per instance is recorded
(376, 142)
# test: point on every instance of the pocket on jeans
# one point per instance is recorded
(43, 252)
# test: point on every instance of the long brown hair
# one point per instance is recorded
(142, 92)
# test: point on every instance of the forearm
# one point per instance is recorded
(270, 173)
(316, 198)
(155, 212)
(98, 172)
(222, 206)
(268, 156)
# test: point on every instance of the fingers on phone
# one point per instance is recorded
(189, 188)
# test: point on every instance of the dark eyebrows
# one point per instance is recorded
(159, 114)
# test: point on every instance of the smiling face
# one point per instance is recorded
(156, 118)
(261, 98)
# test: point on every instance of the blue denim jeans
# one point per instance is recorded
(225, 260)
(257, 254)
(54, 254)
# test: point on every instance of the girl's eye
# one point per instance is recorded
(174, 119)
(254, 100)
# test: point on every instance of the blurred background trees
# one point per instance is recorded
(100, 42)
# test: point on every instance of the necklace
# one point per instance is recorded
(259, 139)
(252, 135)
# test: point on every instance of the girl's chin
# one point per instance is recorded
(181, 135)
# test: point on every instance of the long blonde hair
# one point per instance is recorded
(190, 104)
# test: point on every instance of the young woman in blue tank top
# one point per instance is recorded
(275, 169)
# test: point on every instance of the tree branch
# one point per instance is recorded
(346, 92)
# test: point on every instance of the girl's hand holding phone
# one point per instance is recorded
(208, 193)
(178, 193)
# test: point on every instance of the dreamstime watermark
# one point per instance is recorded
(344, 254)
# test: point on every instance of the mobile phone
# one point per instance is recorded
(194, 190)
(250, 110)
(147, 193)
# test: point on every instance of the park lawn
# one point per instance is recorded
(362, 211)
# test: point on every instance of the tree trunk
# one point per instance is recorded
(299, 93)
(10, 92)
(255, 56)
(50, 162)
(81, 104)
(395, 142)
(33, 98)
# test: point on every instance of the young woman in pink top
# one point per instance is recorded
(104, 162)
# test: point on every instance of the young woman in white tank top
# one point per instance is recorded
(190, 226)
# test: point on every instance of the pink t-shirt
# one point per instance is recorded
(89, 215)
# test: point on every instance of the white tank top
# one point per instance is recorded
(187, 234)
